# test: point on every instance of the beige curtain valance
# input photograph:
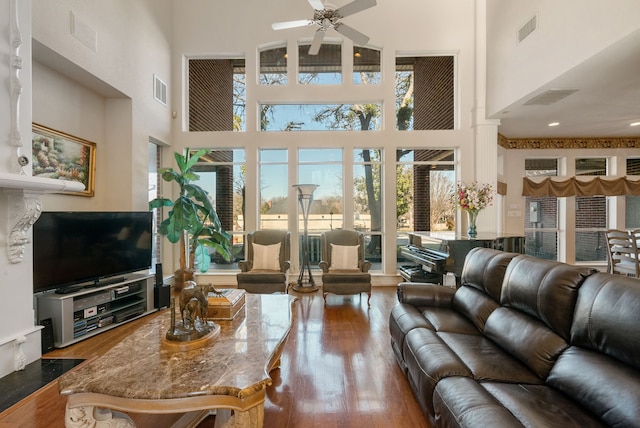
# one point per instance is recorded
(591, 186)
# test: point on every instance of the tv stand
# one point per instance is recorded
(69, 290)
(79, 313)
(109, 281)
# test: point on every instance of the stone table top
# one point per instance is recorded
(236, 364)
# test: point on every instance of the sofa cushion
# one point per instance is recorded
(462, 402)
(465, 403)
(546, 290)
(475, 305)
(600, 369)
(525, 338)
(486, 360)
(484, 270)
(607, 317)
(429, 359)
(608, 388)
(449, 320)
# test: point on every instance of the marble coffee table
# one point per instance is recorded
(230, 375)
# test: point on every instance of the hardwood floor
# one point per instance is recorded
(337, 371)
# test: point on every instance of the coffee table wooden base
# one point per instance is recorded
(96, 410)
(82, 417)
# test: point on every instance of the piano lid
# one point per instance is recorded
(432, 239)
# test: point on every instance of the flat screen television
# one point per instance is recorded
(72, 250)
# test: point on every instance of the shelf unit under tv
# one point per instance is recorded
(92, 310)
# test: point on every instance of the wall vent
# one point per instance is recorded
(528, 28)
(159, 90)
(550, 97)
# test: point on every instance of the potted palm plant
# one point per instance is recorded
(192, 221)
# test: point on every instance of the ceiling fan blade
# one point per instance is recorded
(355, 35)
(355, 7)
(291, 24)
(317, 42)
(316, 4)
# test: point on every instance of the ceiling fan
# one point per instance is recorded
(330, 18)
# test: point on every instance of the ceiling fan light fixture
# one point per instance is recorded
(325, 17)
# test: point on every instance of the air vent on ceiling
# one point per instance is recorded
(528, 28)
(159, 90)
(549, 97)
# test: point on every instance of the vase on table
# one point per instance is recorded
(472, 217)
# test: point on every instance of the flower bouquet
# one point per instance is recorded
(472, 199)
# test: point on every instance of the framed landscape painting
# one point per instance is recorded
(63, 157)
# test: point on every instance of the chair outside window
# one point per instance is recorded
(344, 269)
(623, 253)
(266, 268)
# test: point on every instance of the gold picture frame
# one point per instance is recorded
(63, 157)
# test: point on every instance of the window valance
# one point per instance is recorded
(584, 186)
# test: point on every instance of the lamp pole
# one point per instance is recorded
(305, 197)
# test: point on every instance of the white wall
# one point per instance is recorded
(569, 32)
(132, 44)
(103, 95)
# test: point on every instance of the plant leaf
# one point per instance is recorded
(169, 175)
(193, 159)
(173, 231)
(160, 202)
(202, 257)
(181, 161)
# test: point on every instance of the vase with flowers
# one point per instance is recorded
(473, 198)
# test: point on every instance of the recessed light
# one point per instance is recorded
(634, 124)
(554, 124)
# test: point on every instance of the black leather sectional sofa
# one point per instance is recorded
(523, 342)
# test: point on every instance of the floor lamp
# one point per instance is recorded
(305, 197)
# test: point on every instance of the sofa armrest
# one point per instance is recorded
(421, 294)
(324, 266)
(285, 266)
(245, 265)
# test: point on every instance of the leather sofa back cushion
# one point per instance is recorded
(607, 317)
(544, 289)
(526, 339)
(609, 389)
(474, 304)
(484, 269)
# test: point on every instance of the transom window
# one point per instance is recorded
(325, 68)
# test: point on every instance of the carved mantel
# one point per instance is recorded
(24, 208)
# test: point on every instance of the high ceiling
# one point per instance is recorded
(607, 99)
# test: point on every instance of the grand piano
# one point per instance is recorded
(432, 255)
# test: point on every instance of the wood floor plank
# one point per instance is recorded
(337, 371)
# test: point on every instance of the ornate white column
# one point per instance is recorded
(17, 160)
(485, 130)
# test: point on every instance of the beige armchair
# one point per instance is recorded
(344, 269)
(266, 268)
